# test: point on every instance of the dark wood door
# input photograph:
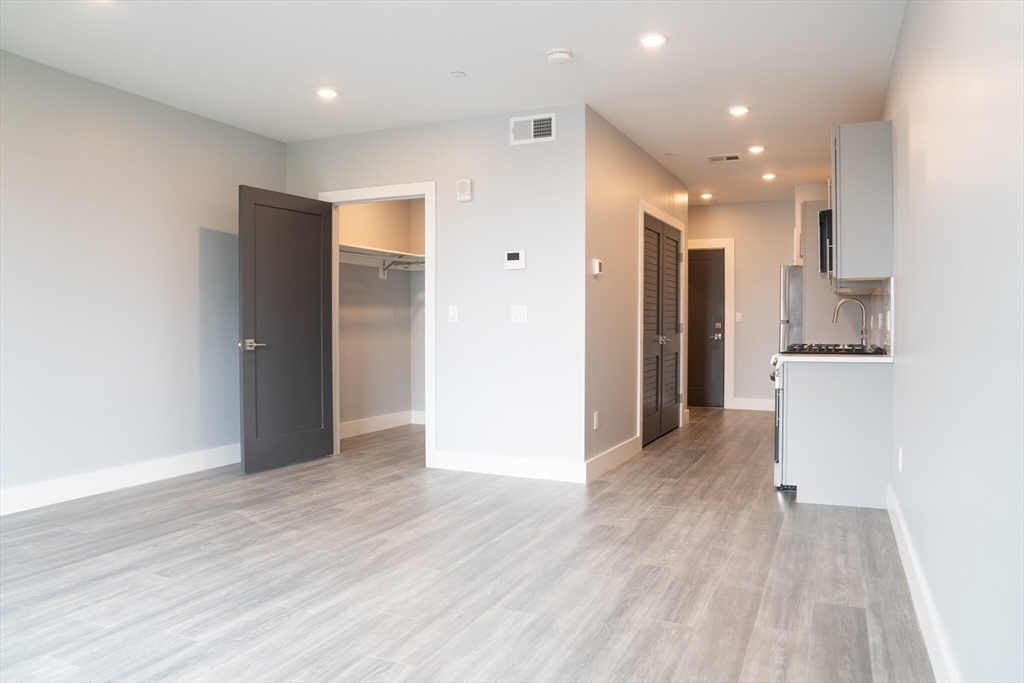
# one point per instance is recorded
(706, 328)
(287, 252)
(661, 336)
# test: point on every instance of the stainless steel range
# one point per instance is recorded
(870, 349)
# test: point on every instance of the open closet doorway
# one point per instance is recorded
(383, 323)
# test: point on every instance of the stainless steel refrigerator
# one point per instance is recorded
(791, 306)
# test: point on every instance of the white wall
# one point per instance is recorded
(956, 103)
(374, 343)
(618, 175)
(381, 225)
(118, 276)
(503, 389)
(763, 234)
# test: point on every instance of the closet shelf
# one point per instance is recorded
(384, 259)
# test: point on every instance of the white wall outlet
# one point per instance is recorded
(453, 314)
(899, 460)
(596, 267)
(739, 317)
(597, 419)
(515, 260)
(519, 314)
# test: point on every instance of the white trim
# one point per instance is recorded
(754, 404)
(375, 424)
(30, 496)
(528, 468)
(613, 457)
(670, 220)
(728, 244)
(428, 191)
(418, 417)
(943, 664)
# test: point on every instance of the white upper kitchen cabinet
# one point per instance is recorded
(862, 201)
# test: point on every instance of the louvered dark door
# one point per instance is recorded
(661, 337)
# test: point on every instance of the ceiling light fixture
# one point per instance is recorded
(706, 195)
(327, 93)
(769, 176)
(738, 110)
(756, 149)
(559, 56)
(653, 40)
(458, 74)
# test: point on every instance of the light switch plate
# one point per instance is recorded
(453, 314)
(739, 317)
(519, 314)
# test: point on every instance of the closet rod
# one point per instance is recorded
(395, 260)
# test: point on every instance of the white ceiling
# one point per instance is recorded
(800, 66)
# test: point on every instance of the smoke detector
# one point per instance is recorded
(559, 56)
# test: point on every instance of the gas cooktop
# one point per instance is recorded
(836, 349)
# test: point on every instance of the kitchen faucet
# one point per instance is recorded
(863, 318)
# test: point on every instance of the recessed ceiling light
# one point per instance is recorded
(756, 149)
(706, 195)
(738, 110)
(653, 40)
(769, 176)
(327, 93)
(458, 74)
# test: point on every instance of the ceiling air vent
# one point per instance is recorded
(723, 158)
(524, 129)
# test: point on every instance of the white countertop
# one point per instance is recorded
(832, 358)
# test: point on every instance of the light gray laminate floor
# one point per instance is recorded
(684, 564)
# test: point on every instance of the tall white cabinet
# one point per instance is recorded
(862, 201)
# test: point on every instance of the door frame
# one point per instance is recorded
(684, 293)
(428, 192)
(728, 244)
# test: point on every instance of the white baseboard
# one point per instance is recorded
(419, 417)
(767, 404)
(943, 664)
(529, 468)
(613, 457)
(375, 424)
(40, 494)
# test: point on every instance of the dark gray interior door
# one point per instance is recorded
(661, 330)
(287, 252)
(706, 326)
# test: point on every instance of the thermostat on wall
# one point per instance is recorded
(464, 190)
(515, 260)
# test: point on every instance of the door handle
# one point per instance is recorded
(664, 340)
(717, 336)
(250, 344)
